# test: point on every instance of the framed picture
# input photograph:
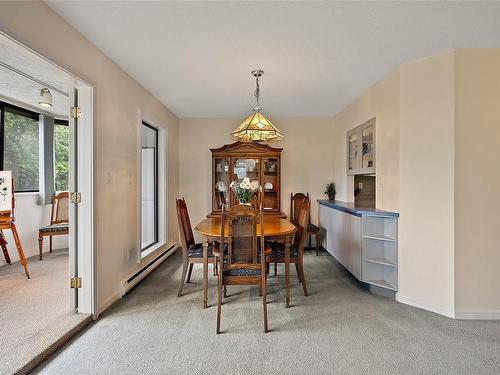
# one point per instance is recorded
(5, 190)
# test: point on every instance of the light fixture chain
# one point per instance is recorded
(257, 91)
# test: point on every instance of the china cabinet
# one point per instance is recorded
(239, 160)
(361, 149)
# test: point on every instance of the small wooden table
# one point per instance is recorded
(275, 229)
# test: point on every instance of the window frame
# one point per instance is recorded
(156, 187)
(23, 112)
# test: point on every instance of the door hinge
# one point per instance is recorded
(75, 197)
(75, 282)
(75, 112)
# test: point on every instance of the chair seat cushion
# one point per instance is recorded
(196, 250)
(242, 272)
(278, 250)
(312, 228)
(55, 228)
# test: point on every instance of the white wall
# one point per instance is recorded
(306, 162)
(426, 225)
(29, 218)
(118, 99)
(477, 183)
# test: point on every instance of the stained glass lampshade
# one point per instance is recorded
(256, 127)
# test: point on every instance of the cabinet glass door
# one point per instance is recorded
(246, 168)
(221, 188)
(352, 145)
(367, 158)
(270, 184)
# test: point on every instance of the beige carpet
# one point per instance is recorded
(340, 328)
(34, 313)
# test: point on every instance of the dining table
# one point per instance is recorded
(274, 229)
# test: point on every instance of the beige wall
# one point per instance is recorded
(306, 164)
(117, 102)
(413, 107)
(382, 102)
(426, 228)
(438, 145)
(477, 182)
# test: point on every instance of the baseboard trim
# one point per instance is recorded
(478, 315)
(148, 267)
(435, 309)
(109, 301)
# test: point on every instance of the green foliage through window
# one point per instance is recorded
(61, 137)
(21, 150)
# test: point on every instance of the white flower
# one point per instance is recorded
(254, 185)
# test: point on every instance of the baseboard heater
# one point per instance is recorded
(137, 277)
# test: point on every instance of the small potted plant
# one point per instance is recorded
(330, 191)
(245, 190)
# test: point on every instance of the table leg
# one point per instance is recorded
(287, 270)
(205, 273)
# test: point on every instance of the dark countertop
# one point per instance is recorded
(352, 209)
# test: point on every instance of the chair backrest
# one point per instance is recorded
(302, 220)
(296, 202)
(187, 237)
(60, 208)
(241, 237)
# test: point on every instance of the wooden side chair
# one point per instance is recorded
(297, 249)
(191, 252)
(296, 201)
(241, 262)
(7, 221)
(59, 221)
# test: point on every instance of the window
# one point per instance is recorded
(19, 146)
(149, 186)
(61, 155)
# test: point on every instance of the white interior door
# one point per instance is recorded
(73, 208)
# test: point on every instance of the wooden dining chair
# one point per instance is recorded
(191, 252)
(59, 220)
(297, 249)
(296, 201)
(241, 262)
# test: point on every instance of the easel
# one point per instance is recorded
(7, 218)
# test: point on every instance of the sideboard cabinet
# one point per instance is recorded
(239, 160)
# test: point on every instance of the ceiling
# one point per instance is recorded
(196, 57)
(23, 74)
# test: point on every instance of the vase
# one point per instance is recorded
(331, 197)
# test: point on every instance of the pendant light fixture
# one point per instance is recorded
(45, 98)
(257, 127)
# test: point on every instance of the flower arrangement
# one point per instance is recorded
(245, 190)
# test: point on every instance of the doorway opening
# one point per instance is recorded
(47, 280)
